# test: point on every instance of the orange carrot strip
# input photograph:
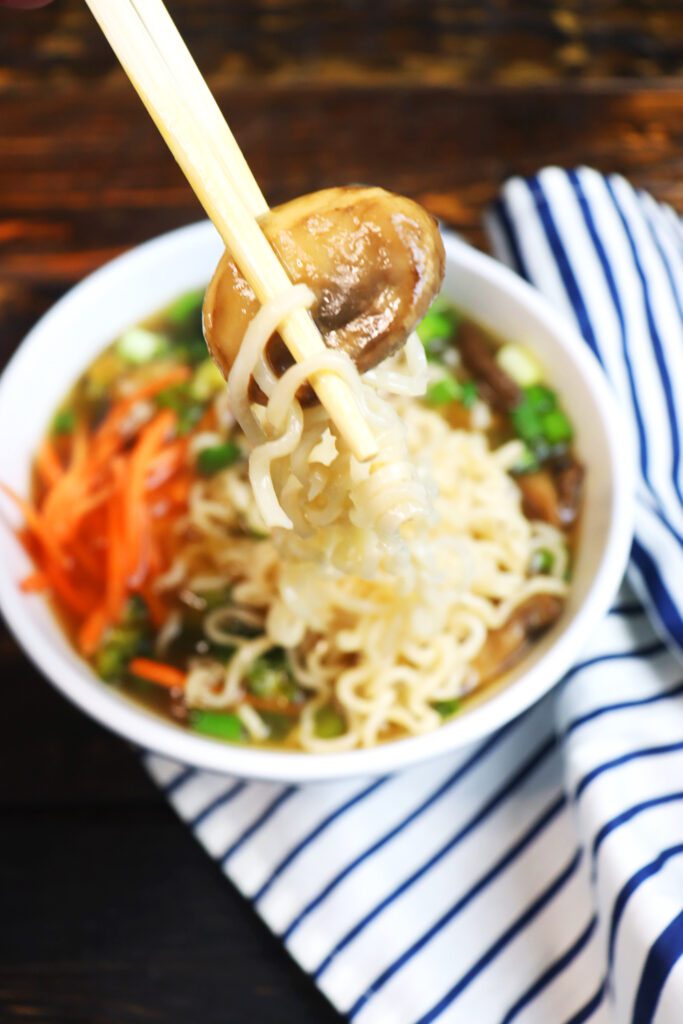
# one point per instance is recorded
(48, 463)
(34, 582)
(174, 375)
(57, 508)
(35, 523)
(158, 672)
(158, 611)
(90, 633)
(272, 704)
(116, 554)
(166, 463)
(134, 512)
(79, 600)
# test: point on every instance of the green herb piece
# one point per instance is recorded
(64, 422)
(557, 428)
(138, 346)
(185, 306)
(270, 676)
(217, 457)
(469, 393)
(527, 422)
(120, 645)
(179, 399)
(220, 725)
(329, 723)
(436, 330)
(447, 708)
(279, 726)
(190, 350)
(206, 382)
(542, 561)
(443, 391)
(135, 612)
(541, 398)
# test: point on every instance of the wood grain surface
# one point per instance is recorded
(111, 913)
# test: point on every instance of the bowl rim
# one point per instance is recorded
(151, 733)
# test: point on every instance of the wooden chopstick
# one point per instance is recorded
(200, 100)
(175, 109)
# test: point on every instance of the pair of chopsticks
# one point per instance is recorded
(160, 67)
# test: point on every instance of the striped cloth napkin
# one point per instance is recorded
(537, 877)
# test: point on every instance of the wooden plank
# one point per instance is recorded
(407, 41)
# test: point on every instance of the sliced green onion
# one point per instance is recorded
(443, 391)
(183, 307)
(220, 725)
(135, 611)
(191, 351)
(541, 398)
(527, 422)
(179, 399)
(120, 645)
(542, 561)
(219, 456)
(437, 329)
(206, 382)
(519, 364)
(64, 422)
(469, 393)
(329, 723)
(557, 428)
(279, 726)
(446, 708)
(138, 346)
(270, 676)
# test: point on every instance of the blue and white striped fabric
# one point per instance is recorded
(538, 877)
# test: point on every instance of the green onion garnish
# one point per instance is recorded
(64, 422)
(446, 708)
(219, 724)
(443, 391)
(557, 428)
(219, 456)
(183, 307)
(329, 723)
(542, 561)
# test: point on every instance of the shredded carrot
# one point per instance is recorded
(174, 375)
(90, 633)
(48, 463)
(116, 553)
(150, 440)
(158, 672)
(273, 704)
(78, 598)
(95, 531)
(35, 523)
(35, 582)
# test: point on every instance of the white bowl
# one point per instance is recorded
(142, 281)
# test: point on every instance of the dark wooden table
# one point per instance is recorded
(110, 913)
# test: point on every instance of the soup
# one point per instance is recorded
(147, 535)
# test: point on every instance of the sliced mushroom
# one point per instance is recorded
(554, 494)
(569, 479)
(374, 261)
(505, 646)
(539, 497)
(495, 385)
